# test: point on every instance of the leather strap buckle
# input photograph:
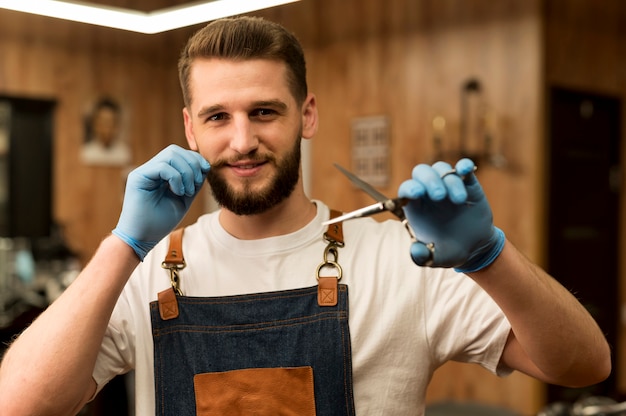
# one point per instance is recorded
(174, 260)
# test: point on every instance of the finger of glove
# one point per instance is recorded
(179, 177)
(180, 168)
(411, 189)
(420, 254)
(192, 166)
(455, 187)
(152, 175)
(465, 168)
(190, 173)
(198, 163)
(174, 155)
(431, 180)
(148, 175)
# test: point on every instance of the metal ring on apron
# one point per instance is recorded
(331, 249)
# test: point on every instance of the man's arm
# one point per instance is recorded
(48, 369)
(553, 337)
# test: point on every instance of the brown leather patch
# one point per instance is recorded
(168, 305)
(335, 231)
(327, 291)
(175, 250)
(256, 391)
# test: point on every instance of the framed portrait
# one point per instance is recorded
(104, 142)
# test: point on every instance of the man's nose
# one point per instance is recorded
(244, 139)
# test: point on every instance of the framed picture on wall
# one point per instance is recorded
(104, 142)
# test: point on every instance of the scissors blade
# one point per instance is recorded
(358, 213)
(392, 205)
(366, 187)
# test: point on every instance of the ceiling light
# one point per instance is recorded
(152, 22)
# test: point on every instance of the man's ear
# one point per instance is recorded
(191, 138)
(310, 118)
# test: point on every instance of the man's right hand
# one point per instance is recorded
(452, 212)
(158, 195)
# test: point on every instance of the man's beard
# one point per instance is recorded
(249, 202)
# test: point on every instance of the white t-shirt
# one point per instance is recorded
(405, 321)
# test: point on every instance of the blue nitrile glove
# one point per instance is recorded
(454, 215)
(158, 195)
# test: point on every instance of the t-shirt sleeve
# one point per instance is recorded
(463, 322)
(116, 354)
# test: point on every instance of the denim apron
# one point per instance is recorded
(276, 353)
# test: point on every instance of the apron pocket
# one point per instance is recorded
(256, 391)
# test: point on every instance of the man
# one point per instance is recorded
(262, 325)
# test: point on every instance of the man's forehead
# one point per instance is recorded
(220, 81)
(203, 64)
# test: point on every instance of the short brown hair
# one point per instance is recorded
(242, 38)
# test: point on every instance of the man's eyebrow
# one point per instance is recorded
(277, 104)
(271, 103)
(210, 110)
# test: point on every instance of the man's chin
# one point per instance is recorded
(246, 208)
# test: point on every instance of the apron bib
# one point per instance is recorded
(276, 353)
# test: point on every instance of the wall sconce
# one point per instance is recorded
(477, 127)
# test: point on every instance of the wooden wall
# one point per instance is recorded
(405, 59)
(585, 49)
(408, 60)
(76, 64)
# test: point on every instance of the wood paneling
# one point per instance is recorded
(75, 64)
(402, 58)
(585, 48)
(408, 60)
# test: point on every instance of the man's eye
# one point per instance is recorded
(216, 117)
(264, 112)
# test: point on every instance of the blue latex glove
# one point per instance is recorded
(454, 215)
(158, 195)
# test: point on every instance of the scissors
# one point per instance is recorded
(392, 205)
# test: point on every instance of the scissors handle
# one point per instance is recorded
(395, 205)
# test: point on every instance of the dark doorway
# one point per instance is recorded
(584, 135)
(26, 165)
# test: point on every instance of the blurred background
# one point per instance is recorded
(533, 90)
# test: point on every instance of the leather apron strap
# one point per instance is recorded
(327, 286)
(175, 261)
(335, 231)
(175, 250)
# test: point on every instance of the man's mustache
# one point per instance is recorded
(253, 158)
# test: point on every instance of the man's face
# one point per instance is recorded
(105, 125)
(245, 122)
(250, 199)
